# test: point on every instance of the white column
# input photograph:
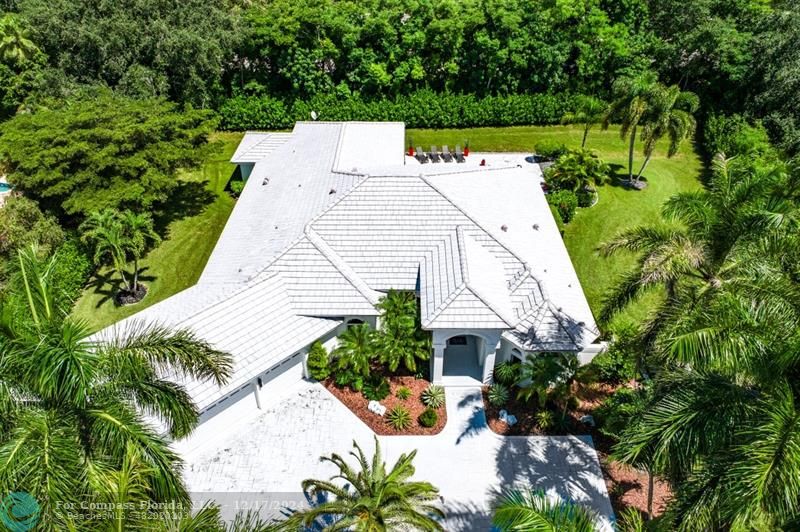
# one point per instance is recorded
(257, 394)
(304, 356)
(488, 362)
(438, 363)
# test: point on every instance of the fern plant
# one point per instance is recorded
(433, 396)
(399, 418)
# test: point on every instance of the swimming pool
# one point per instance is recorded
(5, 187)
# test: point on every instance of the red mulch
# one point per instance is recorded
(357, 404)
(627, 487)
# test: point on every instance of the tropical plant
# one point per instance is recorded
(428, 418)
(533, 511)
(74, 405)
(403, 393)
(498, 394)
(15, 44)
(506, 372)
(629, 105)
(399, 417)
(318, 362)
(545, 419)
(589, 111)
(544, 374)
(669, 114)
(577, 170)
(372, 498)
(355, 350)
(376, 388)
(433, 396)
(401, 338)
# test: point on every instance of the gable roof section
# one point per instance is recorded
(255, 146)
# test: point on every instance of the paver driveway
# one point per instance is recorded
(273, 451)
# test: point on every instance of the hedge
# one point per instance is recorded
(423, 109)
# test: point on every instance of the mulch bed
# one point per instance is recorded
(357, 404)
(627, 487)
(129, 297)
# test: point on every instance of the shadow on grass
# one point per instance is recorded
(188, 199)
(108, 284)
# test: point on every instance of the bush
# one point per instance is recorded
(236, 188)
(734, 135)
(403, 393)
(577, 170)
(421, 109)
(318, 363)
(428, 418)
(376, 388)
(433, 396)
(558, 220)
(399, 418)
(506, 372)
(498, 395)
(617, 411)
(550, 149)
(348, 377)
(566, 202)
(618, 363)
(545, 419)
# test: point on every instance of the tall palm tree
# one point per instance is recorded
(629, 106)
(533, 511)
(669, 114)
(140, 234)
(372, 498)
(589, 111)
(74, 405)
(401, 337)
(15, 45)
(356, 349)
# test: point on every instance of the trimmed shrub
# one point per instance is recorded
(376, 388)
(506, 372)
(236, 188)
(498, 395)
(428, 418)
(557, 218)
(403, 393)
(433, 396)
(399, 418)
(565, 201)
(550, 149)
(319, 363)
(421, 109)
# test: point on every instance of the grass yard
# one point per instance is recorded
(177, 263)
(618, 208)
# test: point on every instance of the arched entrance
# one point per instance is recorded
(462, 358)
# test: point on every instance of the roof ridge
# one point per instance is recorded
(471, 219)
(341, 265)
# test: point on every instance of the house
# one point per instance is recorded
(333, 215)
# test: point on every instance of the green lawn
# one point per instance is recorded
(618, 207)
(177, 263)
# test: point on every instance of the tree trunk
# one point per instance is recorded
(124, 279)
(644, 165)
(649, 495)
(135, 273)
(585, 134)
(630, 154)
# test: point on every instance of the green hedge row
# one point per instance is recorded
(424, 109)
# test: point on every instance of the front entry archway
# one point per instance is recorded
(462, 360)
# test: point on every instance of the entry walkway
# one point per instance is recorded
(277, 449)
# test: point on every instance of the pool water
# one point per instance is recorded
(5, 187)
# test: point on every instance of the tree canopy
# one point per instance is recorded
(86, 154)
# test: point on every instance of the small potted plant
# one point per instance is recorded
(410, 147)
(466, 148)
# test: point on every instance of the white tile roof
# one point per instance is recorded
(311, 241)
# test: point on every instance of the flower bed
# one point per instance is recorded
(357, 404)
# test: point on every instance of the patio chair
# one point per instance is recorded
(434, 155)
(446, 155)
(420, 156)
(459, 154)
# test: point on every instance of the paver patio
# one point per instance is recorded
(274, 450)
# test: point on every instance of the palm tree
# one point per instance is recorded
(355, 349)
(533, 511)
(15, 46)
(141, 234)
(372, 499)
(543, 374)
(401, 337)
(74, 406)
(589, 111)
(629, 106)
(669, 114)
